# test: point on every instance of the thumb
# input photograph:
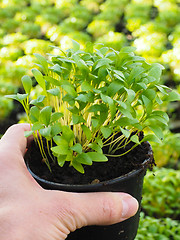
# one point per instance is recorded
(101, 208)
(14, 142)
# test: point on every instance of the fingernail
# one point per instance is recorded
(129, 207)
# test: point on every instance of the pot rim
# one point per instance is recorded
(134, 172)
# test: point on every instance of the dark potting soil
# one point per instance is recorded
(95, 173)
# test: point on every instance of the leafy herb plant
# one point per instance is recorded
(89, 97)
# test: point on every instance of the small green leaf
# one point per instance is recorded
(34, 114)
(172, 96)
(86, 131)
(46, 132)
(151, 138)
(135, 139)
(27, 83)
(61, 149)
(125, 132)
(76, 45)
(54, 92)
(86, 86)
(94, 146)
(83, 158)
(56, 116)
(56, 129)
(157, 130)
(70, 90)
(135, 73)
(43, 62)
(78, 166)
(45, 115)
(148, 104)
(77, 148)
(18, 97)
(106, 131)
(67, 133)
(97, 157)
(52, 80)
(37, 126)
(39, 101)
(101, 62)
(61, 160)
(39, 78)
(28, 133)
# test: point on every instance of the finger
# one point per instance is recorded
(96, 208)
(14, 139)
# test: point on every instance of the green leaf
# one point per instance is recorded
(45, 115)
(78, 166)
(61, 160)
(77, 148)
(77, 119)
(149, 93)
(37, 126)
(39, 78)
(113, 88)
(76, 45)
(83, 158)
(27, 83)
(52, 80)
(106, 131)
(148, 104)
(125, 121)
(135, 73)
(70, 90)
(43, 62)
(101, 62)
(156, 71)
(135, 139)
(56, 116)
(28, 133)
(151, 138)
(86, 131)
(82, 98)
(80, 63)
(97, 157)
(56, 129)
(54, 92)
(18, 97)
(46, 132)
(67, 133)
(131, 95)
(34, 114)
(94, 146)
(172, 96)
(85, 86)
(39, 101)
(62, 148)
(157, 130)
(125, 132)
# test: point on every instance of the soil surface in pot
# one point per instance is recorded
(97, 172)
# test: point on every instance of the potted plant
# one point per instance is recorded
(91, 123)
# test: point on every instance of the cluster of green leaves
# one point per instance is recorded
(89, 96)
(158, 229)
(161, 193)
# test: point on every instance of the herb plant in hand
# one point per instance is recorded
(96, 107)
(93, 100)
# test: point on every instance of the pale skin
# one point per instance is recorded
(28, 212)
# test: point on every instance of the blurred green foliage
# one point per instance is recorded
(158, 229)
(161, 193)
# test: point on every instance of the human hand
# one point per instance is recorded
(27, 211)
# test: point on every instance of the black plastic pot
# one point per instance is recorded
(131, 183)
